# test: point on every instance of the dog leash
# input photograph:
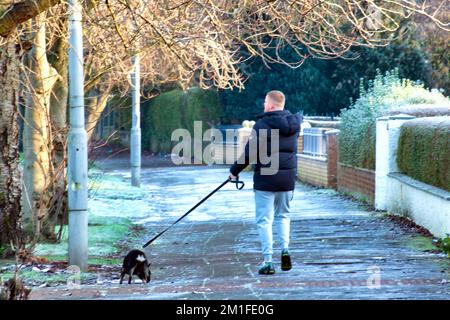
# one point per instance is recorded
(239, 186)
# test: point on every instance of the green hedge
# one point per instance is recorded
(424, 151)
(358, 123)
(177, 109)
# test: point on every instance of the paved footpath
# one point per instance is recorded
(340, 249)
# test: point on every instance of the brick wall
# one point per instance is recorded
(328, 172)
(332, 158)
(357, 181)
(312, 170)
(319, 171)
(300, 144)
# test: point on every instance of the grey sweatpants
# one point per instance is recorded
(273, 207)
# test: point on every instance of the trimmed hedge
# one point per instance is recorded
(420, 111)
(384, 94)
(177, 109)
(424, 151)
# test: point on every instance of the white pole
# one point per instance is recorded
(135, 143)
(77, 145)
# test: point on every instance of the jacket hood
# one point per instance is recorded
(284, 120)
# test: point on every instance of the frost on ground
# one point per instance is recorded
(119, 214)
(122, 217)
(214, 252)
(112, 205)
(165, 195)
(111, 195)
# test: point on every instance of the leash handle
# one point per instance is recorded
(237, 182)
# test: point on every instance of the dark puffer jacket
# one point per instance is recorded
(289, 128)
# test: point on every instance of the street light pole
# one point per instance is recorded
(135, 143)
(77, 144)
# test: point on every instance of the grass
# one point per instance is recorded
(103, 235)
(422, 243)
(110, 232)
(51, 279)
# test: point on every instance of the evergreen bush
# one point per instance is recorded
(424, 150)
(177, 109)
(383, 94)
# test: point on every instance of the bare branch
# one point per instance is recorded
(21, 12)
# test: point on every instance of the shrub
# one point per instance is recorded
(423, 150)
(422, 110)
(445, 244)
(162, 115)
(202, 105)
(384, 94)
(177, 109)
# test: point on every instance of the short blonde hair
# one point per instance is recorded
(277, 98)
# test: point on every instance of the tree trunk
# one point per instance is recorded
(38, 181)
(10, 188)
(58, 205)
(96, 103)
(58, 116)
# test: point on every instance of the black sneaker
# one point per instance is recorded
(267, 268)
(286, 264)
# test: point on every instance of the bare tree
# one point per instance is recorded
(40, 78)
(183, 41)
(10, 187)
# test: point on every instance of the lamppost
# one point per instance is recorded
(77, 144)
(135, 143)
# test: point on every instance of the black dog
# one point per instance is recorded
(135, 263)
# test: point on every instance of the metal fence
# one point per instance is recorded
(315, 142)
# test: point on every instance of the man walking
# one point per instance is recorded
(274, 191)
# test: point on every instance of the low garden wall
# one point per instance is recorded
(312, 170)
(426, 205)
(358, 182)
(319, 170)
(400, 194)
